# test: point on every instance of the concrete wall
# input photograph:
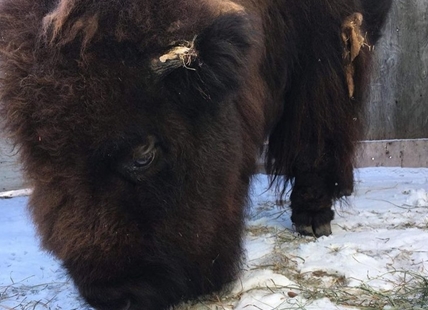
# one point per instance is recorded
(393, 153)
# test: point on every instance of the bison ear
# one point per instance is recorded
(211, 66)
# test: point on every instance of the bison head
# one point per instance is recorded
(126, 115)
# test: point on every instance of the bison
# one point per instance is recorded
(140, 122)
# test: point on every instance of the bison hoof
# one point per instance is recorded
(313, 223)
(305, 230)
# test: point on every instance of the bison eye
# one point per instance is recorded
(142, 160)
(134, 167)
(143, 155)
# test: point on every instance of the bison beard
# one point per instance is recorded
(139, 124)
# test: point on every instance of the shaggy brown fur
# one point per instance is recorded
(140, 121)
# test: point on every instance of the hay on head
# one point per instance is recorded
(185, 52)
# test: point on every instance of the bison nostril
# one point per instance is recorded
(106, 303)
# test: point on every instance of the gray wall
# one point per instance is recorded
(399, 90)
(10, 175)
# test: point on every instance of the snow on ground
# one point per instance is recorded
(377, 257)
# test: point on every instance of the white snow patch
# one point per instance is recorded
(16, 193)
(418, 198)
(380, 234)
(262, 278)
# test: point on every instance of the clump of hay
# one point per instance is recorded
(353, 41)
(185, 52)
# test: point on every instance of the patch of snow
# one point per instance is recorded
(16, 193)
(418, 198)
(379, 236)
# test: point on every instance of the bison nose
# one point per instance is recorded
(106, 303)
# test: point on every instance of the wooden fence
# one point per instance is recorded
(399, 90)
